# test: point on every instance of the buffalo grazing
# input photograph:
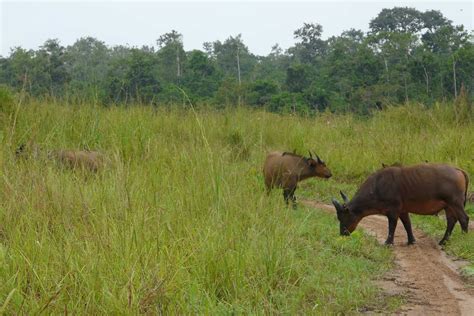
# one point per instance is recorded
(395, 192)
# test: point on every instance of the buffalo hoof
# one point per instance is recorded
(442, 242)
(388, 243)
(411, 242)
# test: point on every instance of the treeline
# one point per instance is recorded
(407, 55)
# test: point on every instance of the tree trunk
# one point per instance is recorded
(238, 66)
(177, 62)
(427, 81)
(406, 88)
(238, 74)
(454, 79)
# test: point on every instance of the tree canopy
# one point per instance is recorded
(407, 55)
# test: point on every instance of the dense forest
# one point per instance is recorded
(406, 55)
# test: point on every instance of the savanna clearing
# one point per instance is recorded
(178, 221)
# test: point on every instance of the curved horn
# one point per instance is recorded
(319, 159)
(344, 197)
(310, 154)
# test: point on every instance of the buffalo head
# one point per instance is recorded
(318, 166)
(348, 220)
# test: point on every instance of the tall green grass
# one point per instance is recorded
(178, 221)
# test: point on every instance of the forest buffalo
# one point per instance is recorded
(396, 191)
(73, 159)
(284, 170)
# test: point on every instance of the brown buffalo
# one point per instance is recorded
(395, 192)
(284, 170)
(73, 159)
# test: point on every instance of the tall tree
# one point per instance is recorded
(201, 78)
(171, 55)
(51, 56)
(310, 45)
(88, 61)
(234, 58)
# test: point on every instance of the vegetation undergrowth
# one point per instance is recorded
(178, 221)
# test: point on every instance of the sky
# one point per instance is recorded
(262, 24)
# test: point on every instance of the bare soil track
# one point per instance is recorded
(424, 276)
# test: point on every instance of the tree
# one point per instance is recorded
(171, 56)
(398, 19)
(131, 78)
(88, 61)
(17, 69)
(201, 78)
(51, 62)
(297, 78)
(272, 67)
(260, 92)
(310, 45)
(234, 58)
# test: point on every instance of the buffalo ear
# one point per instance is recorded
(337, 205)
(384, 165)
(344, 197)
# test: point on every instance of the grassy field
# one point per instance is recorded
(178, 222)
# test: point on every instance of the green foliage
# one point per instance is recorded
(6, 100)
(171, 95)
(286, 102)
(88, 61)
(230, 93)
(232, 55)
(201, 78)
(297, 78)
(131, 78)
(260, 92)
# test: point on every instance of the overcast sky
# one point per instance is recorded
(137, 23)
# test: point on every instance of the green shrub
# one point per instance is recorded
(7, 100)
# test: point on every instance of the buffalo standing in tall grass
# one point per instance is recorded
(396, 191)
(284, 170)
(73, 159)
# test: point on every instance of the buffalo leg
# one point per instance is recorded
(293, 198)
(462, 218)
(392, 225)
(451, 221)
(289, 194)
(405, 218)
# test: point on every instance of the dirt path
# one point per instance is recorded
(427, 279)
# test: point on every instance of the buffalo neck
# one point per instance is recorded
(304, 171)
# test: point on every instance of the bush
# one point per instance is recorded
(6, 100)
(261, 92)
(229, 93)
(287, 102)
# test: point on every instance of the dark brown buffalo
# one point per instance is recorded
(423, 189)
(284, 170)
